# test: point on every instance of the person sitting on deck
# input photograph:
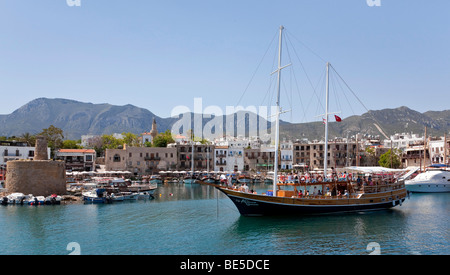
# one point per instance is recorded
(244, 188)
(346, 194)
(315, 191)
(300, 194)
(358, 180)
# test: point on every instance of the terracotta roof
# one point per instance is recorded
(77, 151)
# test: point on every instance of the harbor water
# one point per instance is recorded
(198, 220)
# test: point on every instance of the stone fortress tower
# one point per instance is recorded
(40, 177)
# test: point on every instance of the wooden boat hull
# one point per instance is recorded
(262, 205)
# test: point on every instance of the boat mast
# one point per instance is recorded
(277, 119)
(325, 161)
(192, 155)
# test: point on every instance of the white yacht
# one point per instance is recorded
(431, 181)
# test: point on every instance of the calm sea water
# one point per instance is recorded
(197, 220)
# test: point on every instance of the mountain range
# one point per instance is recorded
(79, 118)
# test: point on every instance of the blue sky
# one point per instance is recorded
(161, 54)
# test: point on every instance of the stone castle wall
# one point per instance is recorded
(40, 178)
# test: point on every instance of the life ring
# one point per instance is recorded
(319, 179)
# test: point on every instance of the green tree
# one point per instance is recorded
(110, 142)
(71, 144)
(163, 139)
(130, 139)
(54, 136)
(28, 138)
(385, 159)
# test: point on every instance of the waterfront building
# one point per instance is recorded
(413, 156)
(220, 158)
(259, 159)
(403, 141)
(310, 155)
(77, 159)
(286, 155)
(141, 160)
(203, 156)
(436, 150)
(234, 152)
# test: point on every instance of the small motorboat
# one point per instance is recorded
(16, 198)
(144, 195)
(95, 196)
(129, 196)
(53, 200)
(39, 200)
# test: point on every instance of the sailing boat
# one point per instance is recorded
(357, 195)
(190, 178)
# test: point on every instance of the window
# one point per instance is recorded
(89, 157)
(116, 158)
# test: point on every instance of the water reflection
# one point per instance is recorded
(319, 234)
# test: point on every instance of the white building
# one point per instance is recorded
(286, 154)
(220, 158)
(403, 141)
(234, 148)
(436, 150)
(12, 150)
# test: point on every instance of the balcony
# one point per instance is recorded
(152, 158)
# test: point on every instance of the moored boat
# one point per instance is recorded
(335, 195)
(190, 179)
(38, 200)
(431, 181)
(144, 195)
(53, 200)
(156, 179)
(243, 178)
(95, 196)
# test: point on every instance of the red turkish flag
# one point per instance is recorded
(338, 119)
